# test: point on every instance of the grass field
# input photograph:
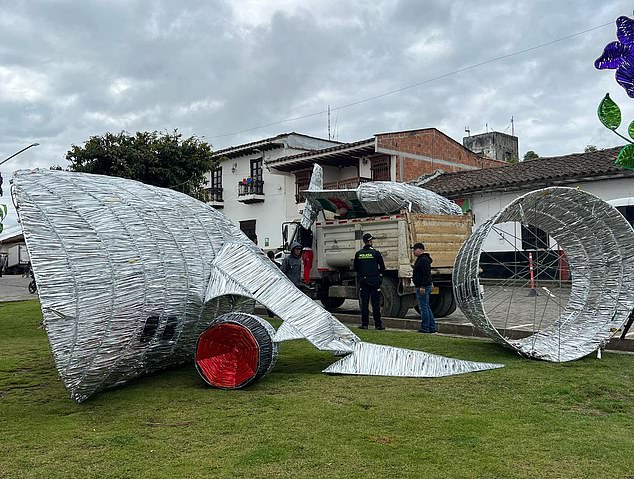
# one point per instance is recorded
(528, 420)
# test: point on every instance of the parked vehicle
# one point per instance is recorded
(17, 259)
(336, 241)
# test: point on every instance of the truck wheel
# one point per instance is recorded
(390, 300)
(442, 302)
(406, 303)
(331, 303)
(452, 306)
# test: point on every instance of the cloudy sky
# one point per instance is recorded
(237, 71)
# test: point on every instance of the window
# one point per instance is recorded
(256, 169)
(380, 169)
(253, 185)
(302, 182)
(214, 193)
(534, 238)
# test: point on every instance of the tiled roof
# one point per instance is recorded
(346, 154)
(539, 173)
(253, 144)
(264, 144)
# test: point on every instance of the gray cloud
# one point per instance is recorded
(75, 69)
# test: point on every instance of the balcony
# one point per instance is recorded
(250, 191)
(213, 197)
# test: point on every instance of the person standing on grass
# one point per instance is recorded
(292, 264)
(423, 284)
(369, 265)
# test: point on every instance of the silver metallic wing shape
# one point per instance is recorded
(371, 359)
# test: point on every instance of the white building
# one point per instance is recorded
(487, 192)
(259, 185)
(253, 195)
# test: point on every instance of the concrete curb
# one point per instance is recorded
(462, 329)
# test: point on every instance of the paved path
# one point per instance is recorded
(15, 288)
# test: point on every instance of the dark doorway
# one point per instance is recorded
(248, 228)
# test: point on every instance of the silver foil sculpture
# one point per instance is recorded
(599, 247)
(312, 209)
(372, 198)
(130, 275)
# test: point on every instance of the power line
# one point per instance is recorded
(414, 85)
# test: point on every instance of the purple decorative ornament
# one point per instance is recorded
(620, 55)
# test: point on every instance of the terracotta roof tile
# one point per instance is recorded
(536, 173)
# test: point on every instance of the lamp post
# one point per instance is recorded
(18, 152)
(7, 159)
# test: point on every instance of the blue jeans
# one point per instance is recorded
(427, 322)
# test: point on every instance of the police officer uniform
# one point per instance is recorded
(369, 265)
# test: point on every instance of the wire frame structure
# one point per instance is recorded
(564, 286)
(122, 270)
(236, 350)
(379, 197)
(372, 198)
(130, 275)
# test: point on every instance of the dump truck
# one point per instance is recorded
(337, 240)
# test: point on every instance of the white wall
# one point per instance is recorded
(269, 213)
(279, 190)
(486, 205)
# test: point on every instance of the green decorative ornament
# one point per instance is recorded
(626, 157)
(609, 113)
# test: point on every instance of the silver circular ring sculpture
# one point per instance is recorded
(599, 246)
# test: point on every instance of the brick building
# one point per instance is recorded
(272, 173)
(397, 156)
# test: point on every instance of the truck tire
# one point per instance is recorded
(407, 302)
(452, 306)
(390, 300)
(442, 302)
(331, 303)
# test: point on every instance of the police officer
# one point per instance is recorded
(369, 265)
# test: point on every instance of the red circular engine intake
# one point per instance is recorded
(227, 355)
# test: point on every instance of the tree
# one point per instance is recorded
(159, 159)
(590, 149)
(530, 155)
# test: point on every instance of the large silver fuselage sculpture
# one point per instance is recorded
(129, 275)
(599, 247)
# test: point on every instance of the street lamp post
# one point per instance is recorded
(18, 152)
(7, 159)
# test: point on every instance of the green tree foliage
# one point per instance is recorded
(160, 159)
(530, 155)
(589, 149)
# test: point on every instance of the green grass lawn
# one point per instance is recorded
(530, 419)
